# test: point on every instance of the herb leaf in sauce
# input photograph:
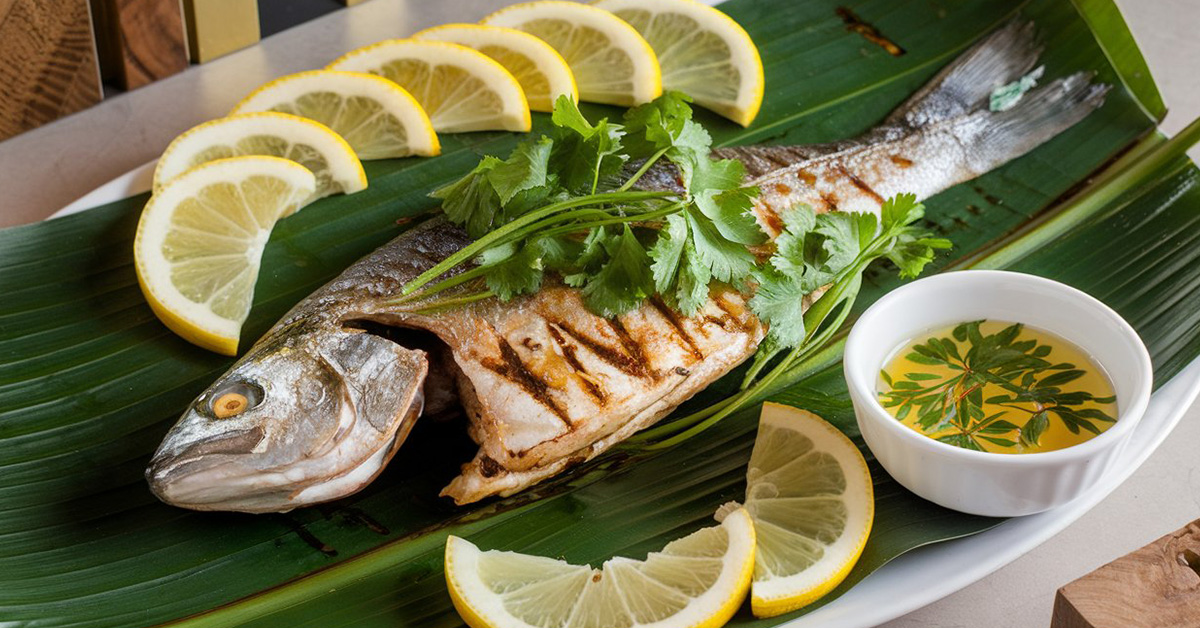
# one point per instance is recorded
(1017, 376)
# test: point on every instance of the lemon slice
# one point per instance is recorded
(810, 495)
(702, 52)
(541, 71)
(375, 116)
(201, 237)
(611, 62)
(460, 88)
(698, 581)
(306, 142)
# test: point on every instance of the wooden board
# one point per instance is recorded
(140, 41)
(1157, 586)
(47, 62)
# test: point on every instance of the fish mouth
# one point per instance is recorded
(210, 472)
(227, 484)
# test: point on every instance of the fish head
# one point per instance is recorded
(308, 415)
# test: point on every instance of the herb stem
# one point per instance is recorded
(615, 220)
(704, 419)
(445, 284)
(643, 170)
(504, 231)
(442, 304)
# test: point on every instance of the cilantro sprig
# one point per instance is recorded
(563, 204)
(559, 204)
(816, 251)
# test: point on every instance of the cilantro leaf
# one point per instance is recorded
(778, 302)
(846, 236)
(694, 278)
(910, 248)
(679, 274)
(727, 260)
(624, 281)
(912, 252)
(584, 154)
(525, 169)
(667, 252)
(511, 270)
(729, 211)
(900, 210)
(471, 201)
(658, 124)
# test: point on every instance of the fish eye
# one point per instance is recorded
(235, 398)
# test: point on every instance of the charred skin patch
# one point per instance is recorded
(631, 361)
(860, 184)
(489, 468)
(673, 318)
(510, 367)
(770, 218)
(568, 350)
(830, 200)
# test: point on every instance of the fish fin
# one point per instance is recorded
(995, 138)
(966, 84)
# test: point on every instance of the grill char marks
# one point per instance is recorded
(769, 217)
(830, 200)
(568, 351)
(510, 367)
(630, 362)
(732, 319)
(860, 184)
(676, 323)
(634, 349)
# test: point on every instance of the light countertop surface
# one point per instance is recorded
(47, 168)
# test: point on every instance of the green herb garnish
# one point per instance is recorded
(562, 204)
(825, 250)
(559, 204)
(959, 396)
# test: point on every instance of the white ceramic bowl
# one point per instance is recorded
(998, 485)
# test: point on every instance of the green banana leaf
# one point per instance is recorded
(90, 381)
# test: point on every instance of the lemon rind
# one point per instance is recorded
(557, 72)
(647, 78)
(777, 603)
(349, 174)
(753, 85)
(515, 115)
(732, 584)
(422, 138)
(171, 307)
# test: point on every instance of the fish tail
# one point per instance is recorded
(995, 138)
(967, 83)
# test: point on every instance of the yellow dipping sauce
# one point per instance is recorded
(997, 387)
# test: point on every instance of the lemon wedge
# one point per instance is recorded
(611, 62)
(698, 581)
(306, 142)
(460, 88)
(702, 52)
(541, 71)
(201, 237)
(375, 116)
(810, 495)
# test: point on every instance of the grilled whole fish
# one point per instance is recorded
(327, 396)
